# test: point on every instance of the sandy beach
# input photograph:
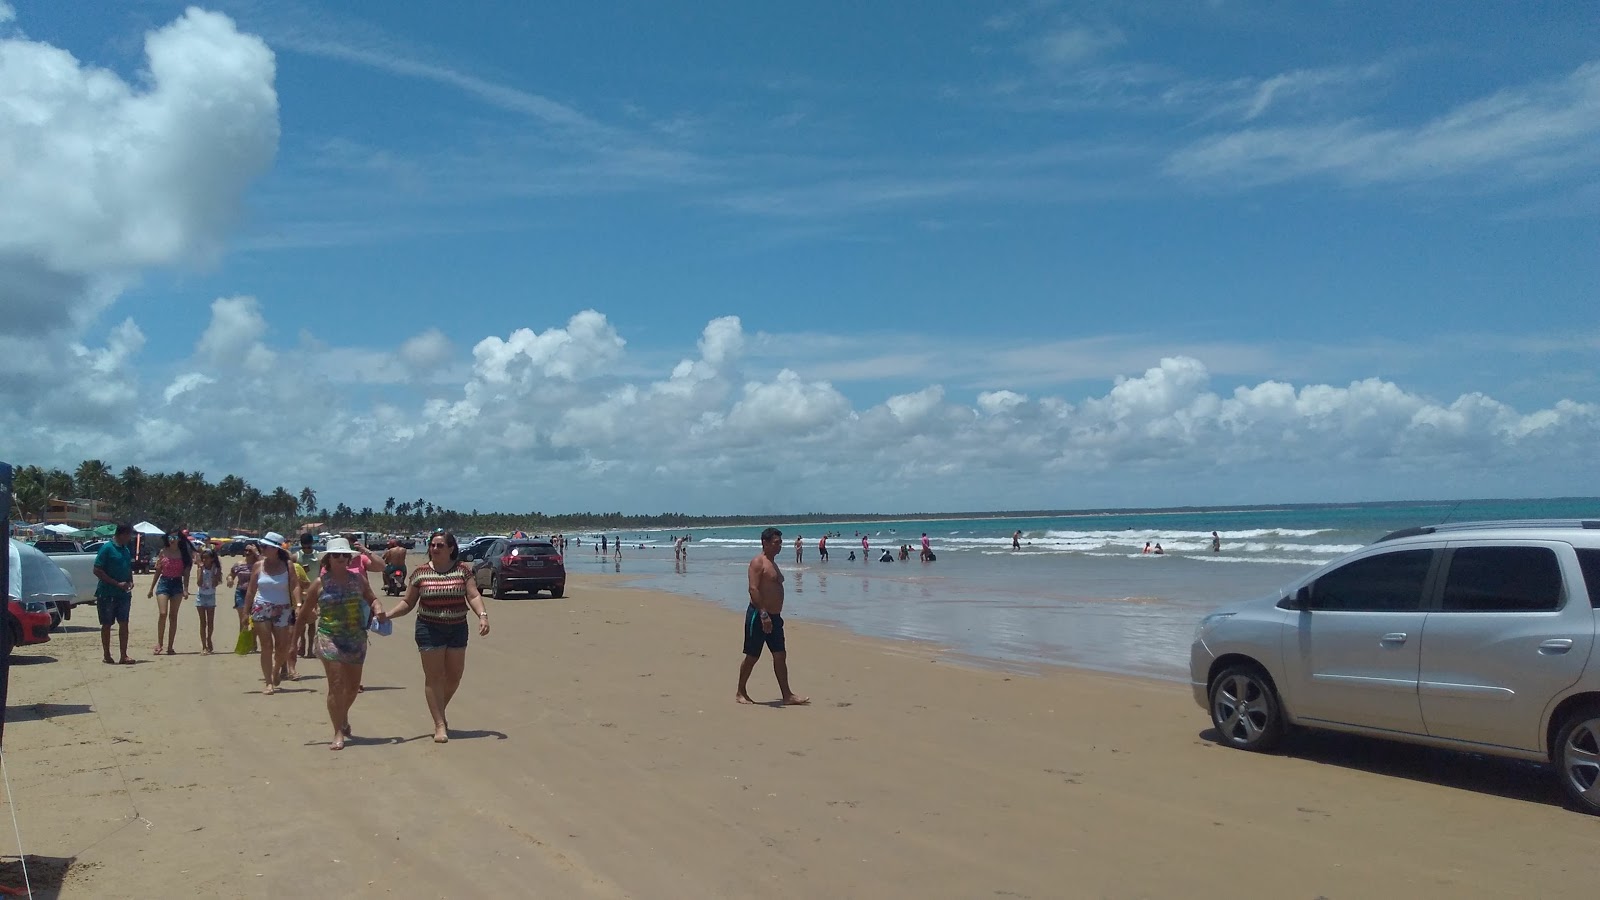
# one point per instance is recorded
(597, 752)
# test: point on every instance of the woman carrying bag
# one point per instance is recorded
(334, 601)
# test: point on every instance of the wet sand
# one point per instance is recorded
(598, 752)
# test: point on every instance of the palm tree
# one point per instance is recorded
(29, 496)
(283, 505)
(308, 500)
(132, 486)
(93, 477)
(59, 484)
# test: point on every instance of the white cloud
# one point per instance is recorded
(427, 351)
(583, 348)
(1528, 133)
(1070, 45)
(233, 337)
(909, 408)
(549, 403)
(185, 383)
(101, 179)
(7, 13)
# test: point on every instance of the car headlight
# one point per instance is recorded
(1209, 621)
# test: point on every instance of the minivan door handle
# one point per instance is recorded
(1556, 645)
(1393, 637)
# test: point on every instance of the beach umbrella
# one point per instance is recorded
(35, 577)
(147, 528)
(61, 529)
(106, 530)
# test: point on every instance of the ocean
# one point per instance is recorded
(1079, 592)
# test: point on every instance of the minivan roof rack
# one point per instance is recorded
(1591, 524)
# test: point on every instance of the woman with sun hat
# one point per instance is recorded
(271, 597)
(334, 601)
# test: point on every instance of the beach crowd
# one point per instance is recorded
(300, 604)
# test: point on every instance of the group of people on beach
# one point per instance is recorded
(302, 604)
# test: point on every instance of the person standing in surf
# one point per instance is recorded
(763, 621)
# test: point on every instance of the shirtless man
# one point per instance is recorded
(394, 558)
(763, 621)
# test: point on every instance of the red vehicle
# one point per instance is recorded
(29, 625)
(520, 565)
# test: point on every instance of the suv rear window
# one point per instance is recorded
(533, 550)
(1502, 579)
(1388, 582)
(1589, 562)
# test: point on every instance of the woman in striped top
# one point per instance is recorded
(441, 593)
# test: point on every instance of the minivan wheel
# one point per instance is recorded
(1577, 758)
(1245, 709)
(494, 588)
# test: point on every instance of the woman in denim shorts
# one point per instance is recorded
(442, 592)
(274, 592)
(170, 586)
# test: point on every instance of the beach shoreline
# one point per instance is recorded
(598, 753)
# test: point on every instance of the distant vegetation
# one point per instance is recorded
(231, 504)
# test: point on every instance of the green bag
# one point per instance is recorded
(246, 644)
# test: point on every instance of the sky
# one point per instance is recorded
(829, 257)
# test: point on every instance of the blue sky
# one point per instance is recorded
(1010, 255)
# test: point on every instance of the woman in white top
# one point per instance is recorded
(274, 593)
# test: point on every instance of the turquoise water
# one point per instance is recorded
(1080, 591)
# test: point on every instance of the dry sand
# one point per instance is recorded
(598, 752)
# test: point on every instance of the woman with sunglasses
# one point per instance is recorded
(441, 592)
(170, 586)
(334, 601)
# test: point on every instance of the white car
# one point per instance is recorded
(1472, 636)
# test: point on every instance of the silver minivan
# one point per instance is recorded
(1472, 636)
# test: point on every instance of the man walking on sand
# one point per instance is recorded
(763, 621)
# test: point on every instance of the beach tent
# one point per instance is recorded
(61, 529)
(147, 528)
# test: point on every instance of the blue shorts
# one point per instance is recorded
(755, 637)
(238, 598)
(113, 609)
(171, 587)
(431, 636)
(205, 599)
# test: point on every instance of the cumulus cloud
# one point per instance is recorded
(102, 178)
(427, 351)
(583, 348)
(233, 337)
(548, 404)
(99, 178)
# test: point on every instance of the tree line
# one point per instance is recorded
(231, 504)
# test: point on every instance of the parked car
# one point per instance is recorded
(508, 565)
(475, 548)
(1471, 636)
(30, 622)
(71, 558)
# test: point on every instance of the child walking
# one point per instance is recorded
(205, 598)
